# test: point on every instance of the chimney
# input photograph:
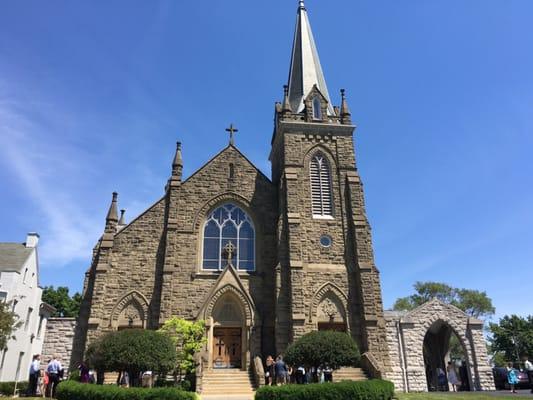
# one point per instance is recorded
(32, 239)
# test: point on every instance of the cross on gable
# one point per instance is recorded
(229, 249)
(231, 131)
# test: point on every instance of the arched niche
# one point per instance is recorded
(329, 309)
(131, 311)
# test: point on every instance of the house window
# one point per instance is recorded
(321, 186)
(317, 108)
(28, 317)
(3, 358)
(3, 297)
(25, 276)
(40, 328)
(32, 279)
(14, 306)
(19, 363)
(228, 224)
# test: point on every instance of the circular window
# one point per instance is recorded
(325, 240)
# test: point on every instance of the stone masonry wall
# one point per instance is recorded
(58, 340)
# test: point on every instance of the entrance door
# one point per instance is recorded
(227, 349)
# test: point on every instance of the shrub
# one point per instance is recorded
(375, 389)
(133, 350)
(70, 390)
(7, 388)
(336, 349)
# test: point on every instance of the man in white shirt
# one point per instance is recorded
(35, 372)
(529, 369)
(54, 369)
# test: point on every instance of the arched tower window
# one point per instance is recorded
(317, 108)
(229, 223)
(321, 186)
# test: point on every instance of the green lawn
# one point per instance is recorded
(454, 396)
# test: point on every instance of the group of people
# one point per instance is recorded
(279, 373)
(512, 377)
(43, 382)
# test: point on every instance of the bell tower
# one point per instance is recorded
(326, 263)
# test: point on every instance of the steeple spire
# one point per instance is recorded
(112, 215)
(177, 163)
(305, 70)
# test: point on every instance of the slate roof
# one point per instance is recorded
(13, 256)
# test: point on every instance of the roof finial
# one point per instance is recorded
(122, 220)
(112, 215)
(231, 131)
(345, 110)
(286, 107)
(301, 4)
(177, 163)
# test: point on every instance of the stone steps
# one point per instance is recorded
(349, 374)
(227, 382)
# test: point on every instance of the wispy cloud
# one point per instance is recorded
(45, 167)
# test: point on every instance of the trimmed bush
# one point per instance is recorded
(7, 388)
(133, 350)
(374, 389)
(70, 390)
(320, 348)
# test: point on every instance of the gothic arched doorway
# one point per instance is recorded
(442, 348)
(228, 336)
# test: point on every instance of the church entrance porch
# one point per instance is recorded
(227, 347)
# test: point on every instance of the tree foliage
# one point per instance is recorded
(318, 348)
(473, 302)
(65, 305)
(8, 323)
(134, 351)
(512, 337)
(188, 338)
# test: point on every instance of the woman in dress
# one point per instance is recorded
(452, 376)
(269, 373)
(512, 379)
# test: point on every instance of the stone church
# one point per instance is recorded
(261, 260)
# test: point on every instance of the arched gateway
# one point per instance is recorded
(419, 346)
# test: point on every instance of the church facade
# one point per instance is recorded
(261, 260)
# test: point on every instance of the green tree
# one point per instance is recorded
(134, 351)
(188, 337)
(318, 348)
(65, 305)
(512, 336)
(8, 323)
(473, 302)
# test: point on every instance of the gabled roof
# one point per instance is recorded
(305, 70)
(13, 256)
(227, 148)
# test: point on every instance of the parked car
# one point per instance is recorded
(500, 378)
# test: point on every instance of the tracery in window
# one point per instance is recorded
(228, 223)
(320, 175)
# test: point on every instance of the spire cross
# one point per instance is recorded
(231, 131)
(229, 249)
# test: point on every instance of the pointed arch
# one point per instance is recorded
(242, 299)
(130, 310)
(332, 301)
(321, 185)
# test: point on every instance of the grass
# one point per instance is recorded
(454, 396)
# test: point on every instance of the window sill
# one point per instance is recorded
(328, 217)
(216, 274)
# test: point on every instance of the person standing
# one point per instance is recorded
(512, 379)
(54, 369)
(528, 365)
(281, 371)
(452, 376)
(35, 371)
(269, 373)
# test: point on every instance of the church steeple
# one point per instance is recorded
(305, 70)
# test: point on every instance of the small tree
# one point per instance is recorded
(8, 323)
(320, 348)
(60, 299)
(133, 351)
(189, 338)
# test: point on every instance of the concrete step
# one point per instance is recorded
(227, 382)
(349, 373)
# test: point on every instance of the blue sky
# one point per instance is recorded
(94, 95)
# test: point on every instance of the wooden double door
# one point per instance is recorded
(227, 347)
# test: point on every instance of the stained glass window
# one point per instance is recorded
(229, 223)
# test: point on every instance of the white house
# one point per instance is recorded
(19, 285)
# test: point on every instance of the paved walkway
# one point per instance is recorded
(227, 397)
